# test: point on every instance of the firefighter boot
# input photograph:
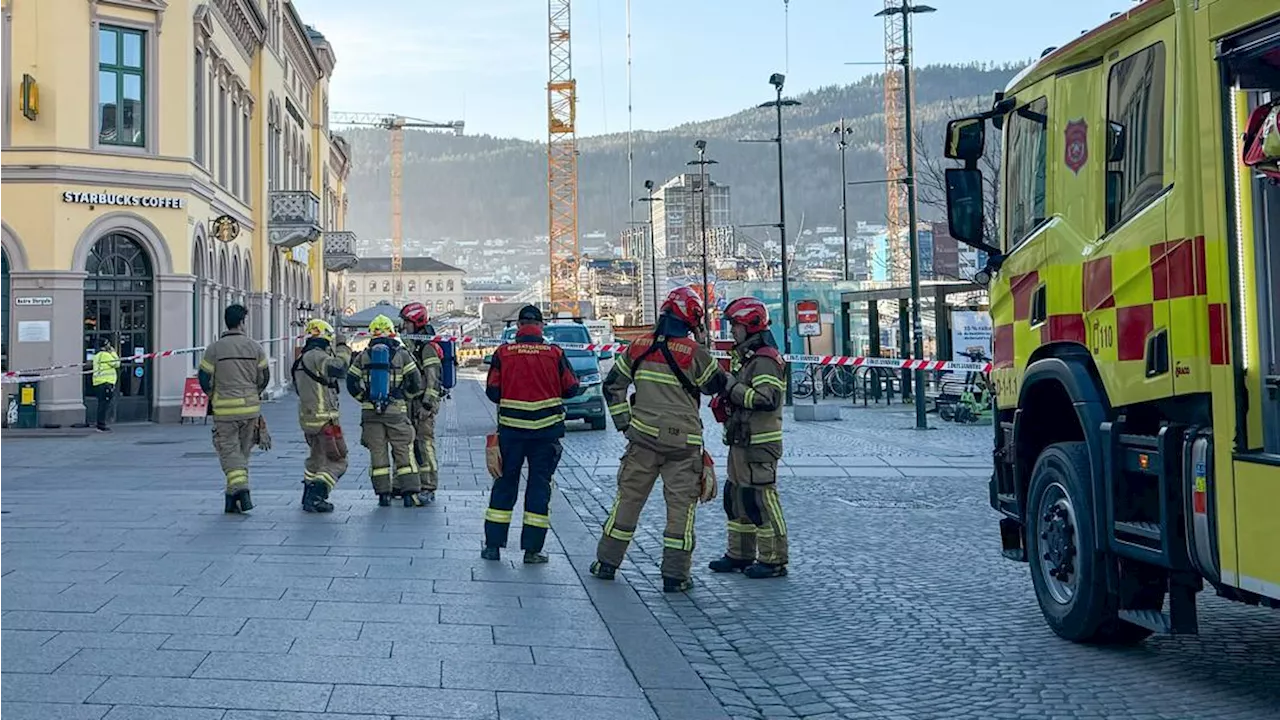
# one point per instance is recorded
(533, 557)
(490, 552)
(604, 570)
(384, 499)
(760, 571)
(238, 502)
(315, 498)
(676, 585)
(427, 497)
(411, 499)
(728, 564)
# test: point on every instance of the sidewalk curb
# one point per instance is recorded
(674, 689)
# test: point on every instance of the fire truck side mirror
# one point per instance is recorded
(1115, 142)
(966, 139)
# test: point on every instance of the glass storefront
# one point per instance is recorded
(118, 306)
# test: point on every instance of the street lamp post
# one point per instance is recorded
(842, 133)
(777, 80)
(917, 327)
(702, 162)
(653, 252)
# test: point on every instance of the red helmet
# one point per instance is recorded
(416, 314)
(749, 313)
(684, 304)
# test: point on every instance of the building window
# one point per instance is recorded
(1025, 158)
(222, 136)
(121, 77)
(386, 286)
(1135, 133)
(234, 131)
(273, 149)
(246, 156)
(351, 286)
(211, 119)
(450, 286)
(373, 285)
(198, 149)
(413, 286)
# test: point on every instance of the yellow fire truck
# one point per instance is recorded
(1135, 293)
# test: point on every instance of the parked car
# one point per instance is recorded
(589, 405)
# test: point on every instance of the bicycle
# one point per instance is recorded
(837, 380)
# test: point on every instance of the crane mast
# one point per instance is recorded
(895, 153)
(562, 162)
(396, 124)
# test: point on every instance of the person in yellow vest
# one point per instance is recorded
(106, 372)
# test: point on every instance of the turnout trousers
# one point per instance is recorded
(377, 432)
(323, 464)
(424, 451)
(543, 456)
(233, 439)
(757, 529)
(681, 472)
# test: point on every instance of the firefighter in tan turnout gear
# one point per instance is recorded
(751, 409)
(663, 426)
(383, 377)
(424, 407)
(233, 373)
(317, 374)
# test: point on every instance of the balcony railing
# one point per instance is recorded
(339, 250)
(294, 218)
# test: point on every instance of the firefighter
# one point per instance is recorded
(424, 408)
(751, 409)
(663, 427)
(384, 388)
(529, 380)
(317, 372)
(233, 373)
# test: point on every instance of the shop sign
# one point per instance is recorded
(33, 301)
(121, 199)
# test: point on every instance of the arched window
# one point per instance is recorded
(449, 306)
(450, 284)
(117, 305)
(386, 286)
(439, 286)
(399, 286)
(413, 286)
(373, 285)
(439, 306)
(351, 286)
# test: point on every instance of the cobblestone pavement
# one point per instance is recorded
(899, 604)
(128, 594)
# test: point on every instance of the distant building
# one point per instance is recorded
(677, 214)
(636, 247)
(424, 279)
(946, 253)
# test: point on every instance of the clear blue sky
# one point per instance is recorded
(485, 61)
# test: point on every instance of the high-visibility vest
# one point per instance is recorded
(106, 367)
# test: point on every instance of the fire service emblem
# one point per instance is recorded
(1077, 144)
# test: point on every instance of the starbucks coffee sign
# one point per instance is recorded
(122, 200)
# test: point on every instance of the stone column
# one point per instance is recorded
(173, 299)
(53, 337)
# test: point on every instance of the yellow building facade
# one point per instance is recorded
(161, 160)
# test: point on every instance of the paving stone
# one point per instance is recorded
(421, 650)
(42, 688)
(408, 631)
(245, 608)
(318, 669)
(427, 702)
(335, 595)
(151, 605)
(280, 715)
(54, 602)
(262, 592)
(230, 643)
(277, 627)
(575, 657)
(182, 624)
(578, 617)
(25, 638)
(206, 693)
(596, 680)
(36, 620)
(133, 661)
(363, 647)
(513, 587)
(14, 710)
(141, 712)
(533, 706)
(465, 600)
(36, 659)
(371, 612)
(551, 637)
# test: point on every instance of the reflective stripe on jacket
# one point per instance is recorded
(755, 403)
(233, 373)
(662, 410)
(427, 355)
(318, 402)
(529, 380)
(106, 367)
(406, 379)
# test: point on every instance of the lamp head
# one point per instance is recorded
(648, 184)
(700, 144)
(777, 80)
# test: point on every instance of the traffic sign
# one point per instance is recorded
(808, 318)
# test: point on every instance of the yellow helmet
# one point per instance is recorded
(382, 326)
(318, 328)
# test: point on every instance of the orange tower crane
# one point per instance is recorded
(562, 162)
(895, 152)
(396, 124)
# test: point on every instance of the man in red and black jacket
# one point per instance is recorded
(529, 380)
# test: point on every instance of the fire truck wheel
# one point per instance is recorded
(1067, 570)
